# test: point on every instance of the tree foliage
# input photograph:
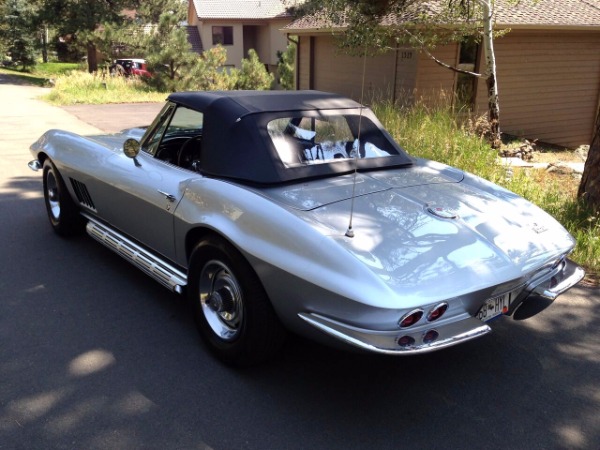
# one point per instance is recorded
(16, 32)
(376, 26)
(158, 36)
(364, 21)
(253, 74)
(79, 20)
(155, 34)
(166, 47)
(209, 74)
(285, 66)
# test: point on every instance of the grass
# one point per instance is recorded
(73, 84)
(54, 69)
(82, 87)
(435, 134)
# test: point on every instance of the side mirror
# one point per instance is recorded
(131, 148)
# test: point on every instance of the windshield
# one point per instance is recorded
(301, 141)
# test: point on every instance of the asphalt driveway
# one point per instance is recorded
(114, 118)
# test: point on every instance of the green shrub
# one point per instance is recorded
(209, 73)
(285, 66)
(254, 74)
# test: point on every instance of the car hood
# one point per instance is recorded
(431, 226)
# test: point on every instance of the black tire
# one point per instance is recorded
(62, 211)
(231, 309)
(117, 70)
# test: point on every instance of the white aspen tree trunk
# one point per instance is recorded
(490, 72)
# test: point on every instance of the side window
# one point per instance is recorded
(150, 144)
(185, 122)
(222, 35)
(175, 126)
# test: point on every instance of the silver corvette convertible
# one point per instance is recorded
(277, 211)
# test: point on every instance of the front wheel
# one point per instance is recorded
(232, 311)
(62, 211)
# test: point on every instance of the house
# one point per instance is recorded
(239, 25)
(548, 69)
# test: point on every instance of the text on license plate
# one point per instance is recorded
(494, 307)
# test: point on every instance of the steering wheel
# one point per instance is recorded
(189, 153)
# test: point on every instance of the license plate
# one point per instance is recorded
(494, 307)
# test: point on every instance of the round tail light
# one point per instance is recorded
(411, 318)
(406, 341)
(437, 312)
(430, 336)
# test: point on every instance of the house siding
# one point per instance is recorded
(262, 36)
(303, 63)
(435, 84)
(235, 52)
(549, 85)
(334, 71)
(549, 82)
(277, 41)
(260, 33)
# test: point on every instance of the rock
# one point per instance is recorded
(582, 151)
(525, 151)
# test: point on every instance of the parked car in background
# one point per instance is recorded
(296, 210)
(130, 67)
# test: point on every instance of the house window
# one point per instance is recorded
(222, 35)
(466, 84)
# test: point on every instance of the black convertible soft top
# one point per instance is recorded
(236, 143)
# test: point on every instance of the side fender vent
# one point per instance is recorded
(82, 194)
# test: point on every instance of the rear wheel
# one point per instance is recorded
(117, 70)
(232, 311)
(62, 211)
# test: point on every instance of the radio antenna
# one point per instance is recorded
(350, 231)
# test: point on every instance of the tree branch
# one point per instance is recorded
(439, 62)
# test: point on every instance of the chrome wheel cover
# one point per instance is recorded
(52, 197)
(221, 300)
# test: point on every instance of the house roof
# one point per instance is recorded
(550, 13)
(240, 9)
(526, 14)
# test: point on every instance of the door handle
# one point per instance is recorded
(168, 196)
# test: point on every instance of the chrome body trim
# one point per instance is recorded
(152, 265)
(386, 342)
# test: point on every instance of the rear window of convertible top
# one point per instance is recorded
(301, 141)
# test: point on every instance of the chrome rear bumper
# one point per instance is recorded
(534, 298)
(540, 295)
(386, 342)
